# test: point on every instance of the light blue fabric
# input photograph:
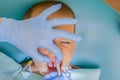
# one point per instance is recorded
(36, 32)
(54, 76)
(13, 52)
(76, 74)
(11, 70)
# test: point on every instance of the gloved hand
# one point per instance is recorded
(41, 20)
(30, 34)
(54, 76)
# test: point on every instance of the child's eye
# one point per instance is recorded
(65, 42)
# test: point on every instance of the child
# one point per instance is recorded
(66, 46)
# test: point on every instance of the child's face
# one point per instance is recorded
(67, 48)
(65, 45)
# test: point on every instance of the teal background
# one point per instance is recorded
(98, 25)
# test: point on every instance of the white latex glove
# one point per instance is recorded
(28, 35)
(75, 74)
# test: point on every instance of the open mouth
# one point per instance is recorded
(43, 68)
(46, 68)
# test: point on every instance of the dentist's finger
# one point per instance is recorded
(52, 48)
(61, 21)
(56, 51)
(47, 53)
(65, 34)
(50, 10)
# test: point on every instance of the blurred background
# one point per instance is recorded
(99, 26)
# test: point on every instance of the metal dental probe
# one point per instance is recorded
(58, 68)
